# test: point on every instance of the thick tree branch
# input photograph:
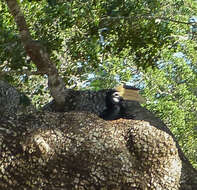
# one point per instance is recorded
(19, 19)
(39, 55)
(45, 150)
(80, 151)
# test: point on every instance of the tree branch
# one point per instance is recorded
(39, 56)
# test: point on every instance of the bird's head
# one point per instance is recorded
(116, 98)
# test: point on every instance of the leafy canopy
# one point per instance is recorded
(97, 34)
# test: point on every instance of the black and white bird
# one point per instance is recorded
(114, 108)
(107, 104)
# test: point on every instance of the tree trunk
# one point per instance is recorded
(78, 150)
(81, 151)
(39, 56)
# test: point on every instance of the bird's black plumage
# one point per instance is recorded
(115, 108)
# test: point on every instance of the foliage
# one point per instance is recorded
(171, 94)
(72, 28)
(71, 31)
(97, 44)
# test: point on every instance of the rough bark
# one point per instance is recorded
(94, 102)
(82, 100)
(12, 101)
(78, 150)
(81, 151)
(188, 180)
(39, 55)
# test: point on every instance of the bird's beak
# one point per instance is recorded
(130, 94)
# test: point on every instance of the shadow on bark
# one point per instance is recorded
(78, 150)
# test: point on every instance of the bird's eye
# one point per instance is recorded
(116, 97)
(116, 94)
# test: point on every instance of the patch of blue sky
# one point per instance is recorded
(179, 55)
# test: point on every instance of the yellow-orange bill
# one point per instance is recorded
(130, 94)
